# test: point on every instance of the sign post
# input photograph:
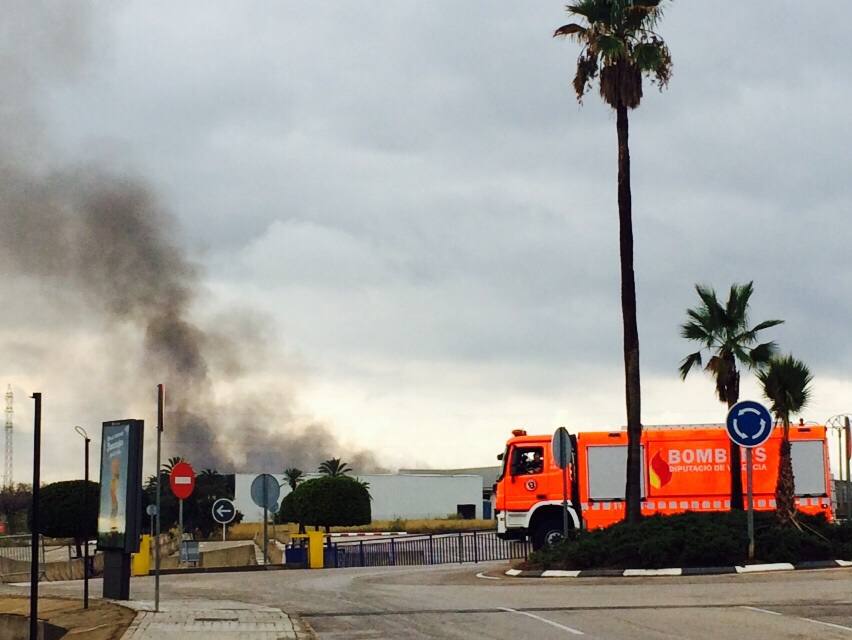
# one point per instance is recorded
(34, 546)
(120, 508)
(749, 425)
(265, 491)
(182, 482)
(561, 448)
(161, 408)
(224, 512)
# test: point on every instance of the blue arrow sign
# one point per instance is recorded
(224, 511)
(749, 424)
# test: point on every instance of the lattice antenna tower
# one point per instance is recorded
(10, 421)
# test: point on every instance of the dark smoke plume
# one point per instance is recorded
(102, 239)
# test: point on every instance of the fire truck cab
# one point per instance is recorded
(684, 468)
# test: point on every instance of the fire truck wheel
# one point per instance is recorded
(547, 532)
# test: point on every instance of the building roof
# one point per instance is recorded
(488, 474)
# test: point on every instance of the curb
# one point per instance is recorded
(678, 571)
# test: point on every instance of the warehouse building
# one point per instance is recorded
(487, 474)
(402, 495)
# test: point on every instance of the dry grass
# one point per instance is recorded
(443, 525)
(249, 530)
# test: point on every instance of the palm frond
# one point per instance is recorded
(738, 300)
(689, 362)
(786, 383)
(696, 332)
(713, 308)
(594, 11)
(766, 324)
(568, 30)
(760, 355)
(587, 70)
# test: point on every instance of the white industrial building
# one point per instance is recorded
(406, 496)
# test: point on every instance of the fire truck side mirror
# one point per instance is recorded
(499, 456)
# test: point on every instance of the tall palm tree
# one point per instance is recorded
(619, 46)
(786, 383)
(334, 467)
(723, 331)
(293, 476)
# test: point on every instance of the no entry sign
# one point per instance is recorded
(182, 480)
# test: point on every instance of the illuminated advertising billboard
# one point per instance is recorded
(121, 486)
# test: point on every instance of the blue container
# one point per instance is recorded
(296, 555)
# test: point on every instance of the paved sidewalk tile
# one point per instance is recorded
(211, 619)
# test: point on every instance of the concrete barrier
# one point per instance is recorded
(19, 570)
(14, 626)
(240, 556)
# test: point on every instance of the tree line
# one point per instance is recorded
(333, 499)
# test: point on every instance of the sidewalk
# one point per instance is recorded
(211, 620)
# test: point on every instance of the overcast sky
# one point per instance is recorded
(420, 218)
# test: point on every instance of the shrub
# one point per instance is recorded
(697, 540)
(331, 501)
(61, 513)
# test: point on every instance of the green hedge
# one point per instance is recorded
(328, 501)
(697, 540)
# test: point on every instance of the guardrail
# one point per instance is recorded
(461, 547)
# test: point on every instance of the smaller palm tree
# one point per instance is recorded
(168, 466)
(334, 467)
(786, 383)
(724, 335)
(293, 476)
(208, 473)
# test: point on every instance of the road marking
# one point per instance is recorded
(759, 610)
(485, 577)
(633, 573)
(576, 632)
(774, 566)
(827, 624)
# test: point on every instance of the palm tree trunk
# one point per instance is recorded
(633, 490)
(785, 489)
(733, 394)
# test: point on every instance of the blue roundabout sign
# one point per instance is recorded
(749, 423)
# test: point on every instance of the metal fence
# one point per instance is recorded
(19, 548)
(469, 546)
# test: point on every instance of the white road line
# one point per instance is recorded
(576, 632)
(485, 577)
(759, 610)
(827, 624)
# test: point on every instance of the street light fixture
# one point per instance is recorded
(80, 430)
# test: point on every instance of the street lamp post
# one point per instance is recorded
(87, 440)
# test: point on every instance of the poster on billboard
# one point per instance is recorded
(121, 486)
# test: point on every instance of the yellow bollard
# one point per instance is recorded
(140, 563)
(315, 550)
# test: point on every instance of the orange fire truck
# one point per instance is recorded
(684, 468)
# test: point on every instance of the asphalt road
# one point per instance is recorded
(452, 602)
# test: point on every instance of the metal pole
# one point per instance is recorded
(86, 541)
(161, 401)
(223, 532)
(565, 501)
(180, 520)
(35, 519)
(265, 518)
(749, 489)
(840, 454)
(846, 435)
